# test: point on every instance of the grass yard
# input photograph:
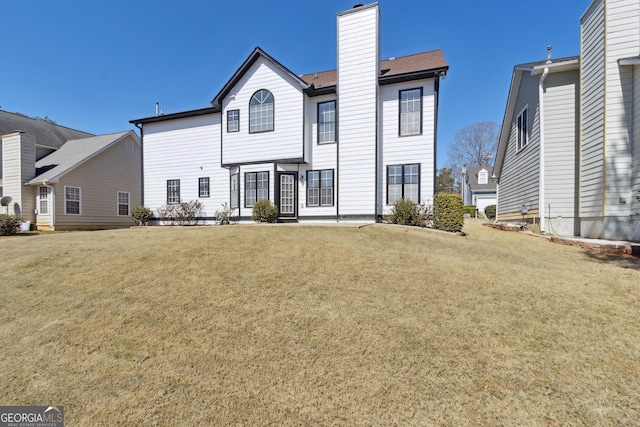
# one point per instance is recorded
(294, 325)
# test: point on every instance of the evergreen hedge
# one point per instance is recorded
(448, 212)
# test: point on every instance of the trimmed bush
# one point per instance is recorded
(264, 211)
(140, 215)
(490, 212)
(9, 225)
(403, 212)
(448, 212)
(183, 213)
(470, 209)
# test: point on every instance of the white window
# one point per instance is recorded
(43, 204)
(261, 112)
(72, 198)
(234, 188)
(128, 145)
(403, 182)
(327, 122)
(483, 177)
(411, 112)
(522, 123)
(123, 203)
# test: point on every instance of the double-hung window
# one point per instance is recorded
(403, 182)
(320, 188)
(410, 112)
(327, 122)
(72, 198)
(123, 203)
(203, 187)
(43, 196)
(233, 120)
(256, 187)
(173, 191)
(261, 112)
(523, 129)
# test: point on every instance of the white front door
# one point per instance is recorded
(287, 194)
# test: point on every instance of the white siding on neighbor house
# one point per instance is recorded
(635, 178)
(286, 140)
(561, 121)
(185, 149)
(18, 164)
(401, 150)
(321, 156)
(520, 176)
(358, 71)
(592, 89)
(623, 41)
(100, 179)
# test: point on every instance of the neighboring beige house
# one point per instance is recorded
(62, 179)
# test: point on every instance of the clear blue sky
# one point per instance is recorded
(94, 66)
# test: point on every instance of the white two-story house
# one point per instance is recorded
(333, 145)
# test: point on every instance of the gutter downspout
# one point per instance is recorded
(53, 205)
(142, 160)
(542, 173)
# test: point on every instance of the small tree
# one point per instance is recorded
(490, 212)
(9, 225)
(141, 215)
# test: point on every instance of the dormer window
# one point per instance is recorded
(483, 177)
(261, 112)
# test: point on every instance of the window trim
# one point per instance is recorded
(169, 202)
(527, 129)
(118, 204)
(246, 174)
(421, 89)
(237, 120)
(320, 187)
(66, 210)
(273, 112)
(403, 180)
(200, 193)
(128, 145)
(41, 200)
(335, 122)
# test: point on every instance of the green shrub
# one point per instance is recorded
(141, 215)
(403, 212)
(9, 225)
(264, 211)
(470, 209)
(490, 212)
(448, 212)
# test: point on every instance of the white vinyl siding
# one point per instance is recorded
(72, 201)
(185, 149)
(399, 150)
(592, 86)
(358, 71)
(286, 139)
(123, 203)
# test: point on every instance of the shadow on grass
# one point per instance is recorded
(623, 261)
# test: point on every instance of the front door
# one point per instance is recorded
(287, 195)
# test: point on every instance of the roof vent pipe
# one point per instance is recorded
(549, 49)
(157, 105)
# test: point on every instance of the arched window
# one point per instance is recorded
(261, 112)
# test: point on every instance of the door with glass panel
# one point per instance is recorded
(287, 195)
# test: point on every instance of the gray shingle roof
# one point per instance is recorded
(472, 179)
(46, 133)
(72, 154)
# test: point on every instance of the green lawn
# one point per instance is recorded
(294, 325)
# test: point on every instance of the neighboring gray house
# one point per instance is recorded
(478, 189)
(569, 149)
(62, 179)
